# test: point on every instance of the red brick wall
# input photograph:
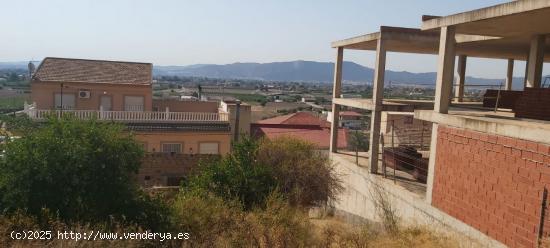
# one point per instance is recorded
(493, 183)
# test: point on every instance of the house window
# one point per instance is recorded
(171, 147)
(68, 101)
(133, 103)
(208, 148)
(106, 102)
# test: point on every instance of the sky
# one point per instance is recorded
(185, 32)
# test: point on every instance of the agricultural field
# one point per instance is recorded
(12, 100)
(272, 109)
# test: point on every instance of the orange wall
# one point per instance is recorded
(43, 94)
(153, 140)
(493, 183)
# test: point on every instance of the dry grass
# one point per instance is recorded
(333, 232)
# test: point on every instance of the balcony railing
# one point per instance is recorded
(130, 116)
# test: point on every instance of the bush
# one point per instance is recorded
(209, 219)
(20, 221)
(79, 170)
(303, 174)
(239, 176)
(214, 222)
(280, 225)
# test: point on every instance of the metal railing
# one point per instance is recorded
(499, 89)
(401, 156)
(130, 116)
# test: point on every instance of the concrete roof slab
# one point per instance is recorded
(508, 19)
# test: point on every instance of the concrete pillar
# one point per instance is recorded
(461, 71)
(336, 92)
(431, 164)
(377, 95)
(526, 69)
(535, 61)
(510, 74)
(444, 82)
(445, 70)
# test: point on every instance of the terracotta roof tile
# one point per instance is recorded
(93, 71)
(318, 136)
(299, 118)
(349, 113)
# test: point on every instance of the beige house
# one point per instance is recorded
(121, 91)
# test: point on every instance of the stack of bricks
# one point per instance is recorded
(493, 183)
(534, 103)
(507, 98)
(158, 168)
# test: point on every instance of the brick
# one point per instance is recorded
(531, 146)
(543, 149)
(526, 154)
(521, 144)
(545, 178)
(538, 157)
(492, 139)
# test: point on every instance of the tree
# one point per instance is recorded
(80, 170)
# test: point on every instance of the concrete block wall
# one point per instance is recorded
(493, 183)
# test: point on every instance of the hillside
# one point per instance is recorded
(302, 71)
(306, 71)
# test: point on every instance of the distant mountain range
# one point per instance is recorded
(308, 71)
(302, 71)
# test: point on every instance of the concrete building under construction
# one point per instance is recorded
(487, 167)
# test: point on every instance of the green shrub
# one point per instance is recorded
(215, 222)
(303, 174)
(80, 170)
(239, 176)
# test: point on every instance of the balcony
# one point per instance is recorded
(132, 116)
